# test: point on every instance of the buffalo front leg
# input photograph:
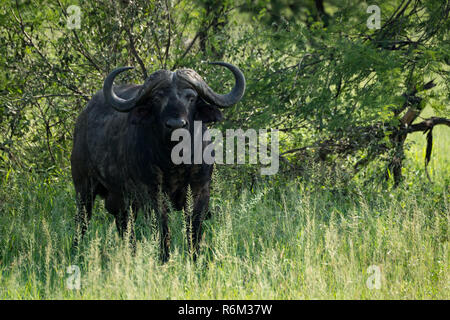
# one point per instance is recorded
(163, 223)
(158, 201)
(194, 219)
(125, 226)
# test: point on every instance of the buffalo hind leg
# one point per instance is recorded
(115, 204)
(85, 200)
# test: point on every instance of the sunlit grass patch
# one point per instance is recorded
(287, 242)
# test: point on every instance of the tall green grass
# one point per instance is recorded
(292, 240)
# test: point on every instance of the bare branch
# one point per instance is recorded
(135, 53)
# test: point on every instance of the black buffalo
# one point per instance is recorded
(122, 149)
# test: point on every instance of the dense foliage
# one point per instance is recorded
(339, 92)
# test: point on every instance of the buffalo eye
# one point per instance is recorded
(190, 97)
(158, 95)
(142, 111)
(139, 114)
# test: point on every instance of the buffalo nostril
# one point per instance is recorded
(176, 123)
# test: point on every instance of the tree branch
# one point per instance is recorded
(427, 124)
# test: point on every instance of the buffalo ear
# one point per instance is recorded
(206, 112)
(139, 114)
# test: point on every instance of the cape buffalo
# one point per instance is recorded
(122, 149)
